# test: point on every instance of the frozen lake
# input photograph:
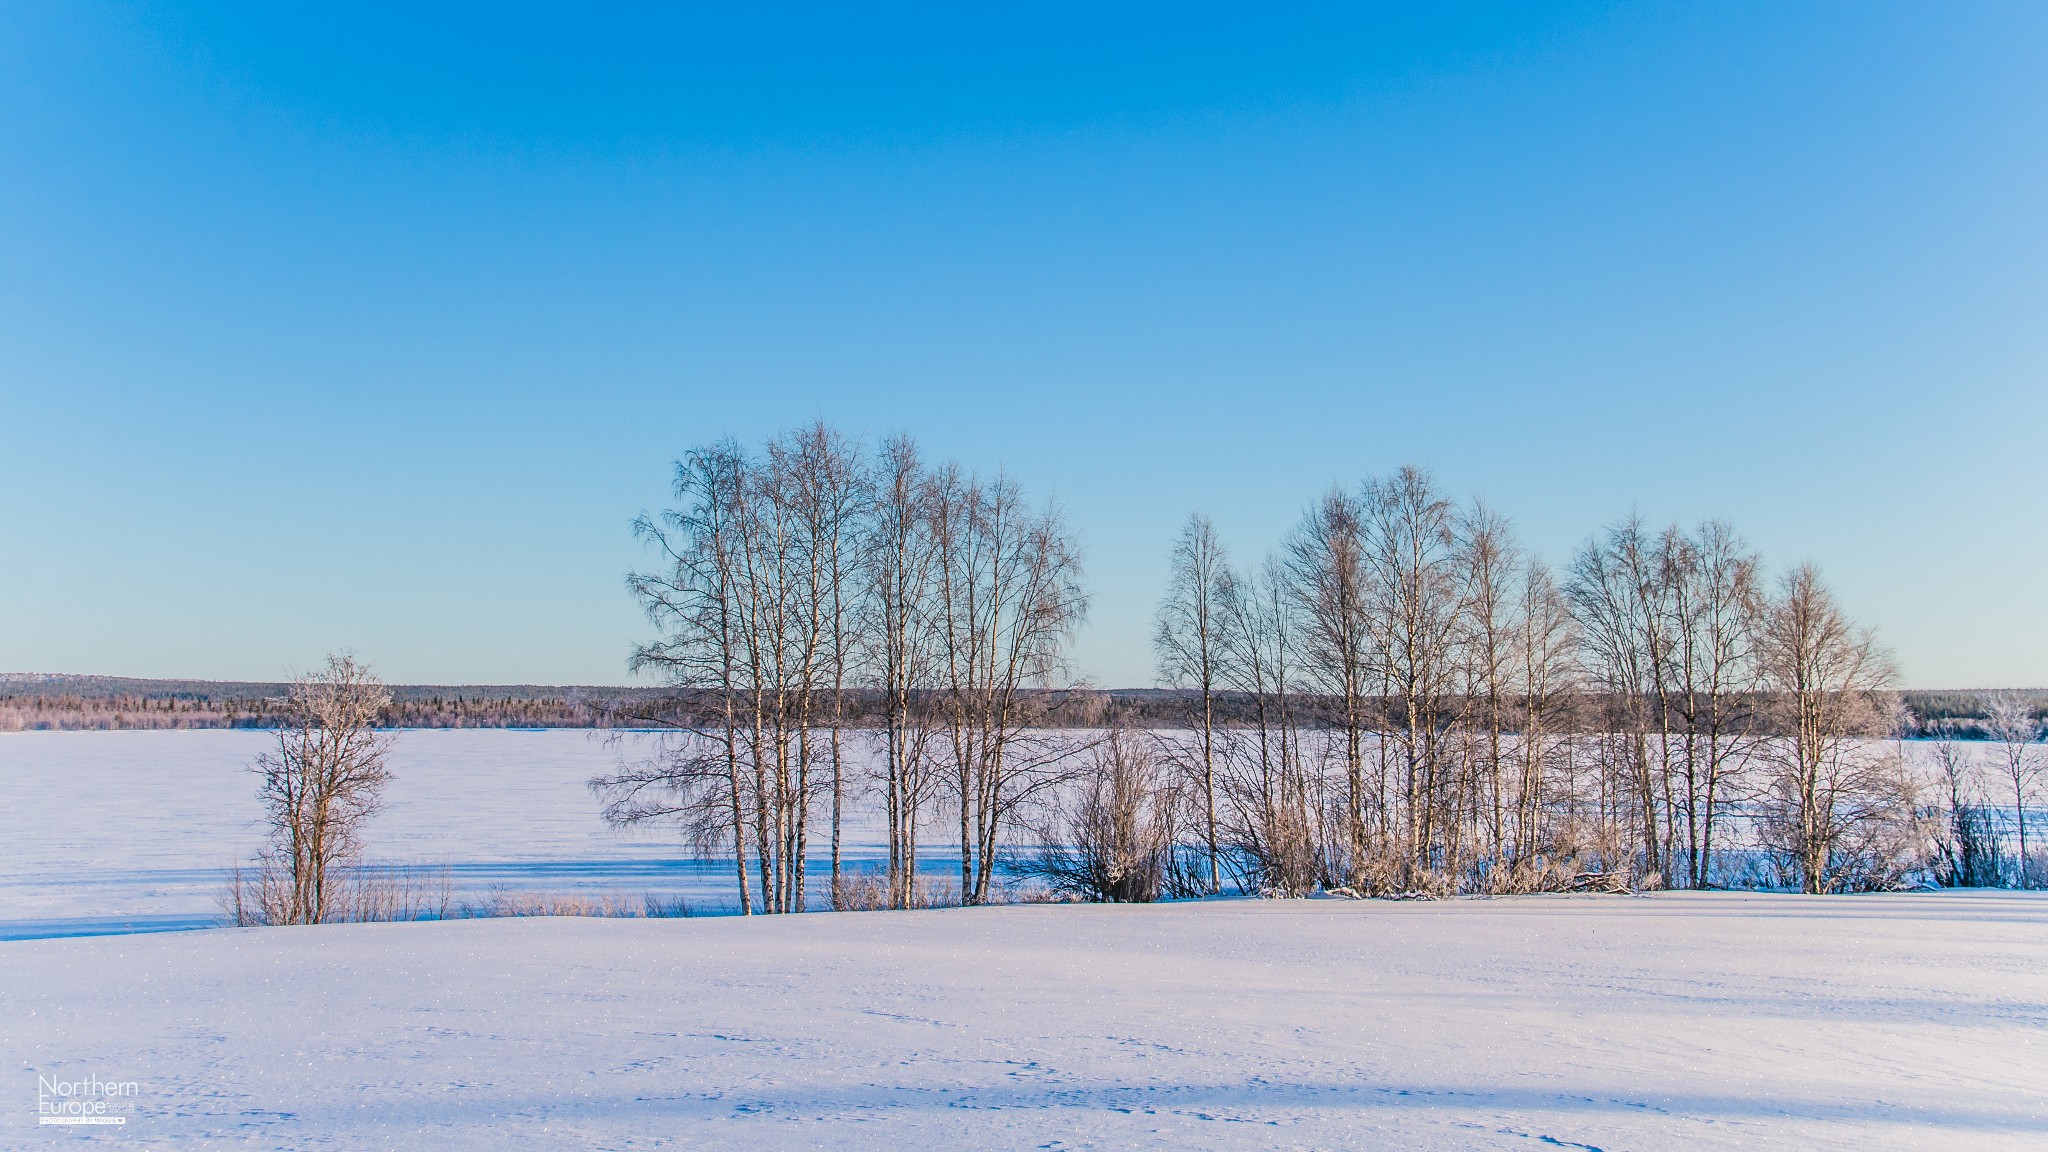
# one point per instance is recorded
(136, 831)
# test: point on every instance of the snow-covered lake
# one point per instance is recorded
(1679, 1021)
(126, 831)
(135, 831)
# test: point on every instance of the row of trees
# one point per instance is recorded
(795, 574)
(1399, 698)
(1429, 707)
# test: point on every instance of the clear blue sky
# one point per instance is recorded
(374, 329)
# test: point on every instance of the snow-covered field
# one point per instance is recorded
(1673, 1022)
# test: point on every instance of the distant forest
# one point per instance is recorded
(116, 703)
(110, 702)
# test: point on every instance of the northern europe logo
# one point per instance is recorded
(87, 1100)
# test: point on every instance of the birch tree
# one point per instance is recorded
(1547, 691)
(1716, 609)
(753, 608)
(1187, 644)
(1832, 786)
(1008, 598)
(1417, 610)
(325, 778)
(2012, 725)
(701, 776)
(1326, 576)
(1491, 562)
(900, 633)
(1275, 801)
(818, 474)
(1616, 601)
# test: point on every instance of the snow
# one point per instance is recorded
(135, 831)
(109, 831)
(1677, 1021)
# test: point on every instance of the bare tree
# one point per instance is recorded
(1326, 575)
(756, 616)
(1716, 607)
(1186, 641)
(1833, 788)
(1966, 847)
(792, 575)
(2013, 726)
(1491, 562)
(699, 776)
(1275, 802)
(1009, 597)
(1547, 663)
(1405, 701)
(1616, 598)
(1418, 610)
(1113, 840)
(818, 474)
(325, 779)
(900, 635)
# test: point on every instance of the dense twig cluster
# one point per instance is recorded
(1982, 806)
(1113, 836)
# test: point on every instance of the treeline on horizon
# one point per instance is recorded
(100, 704)
(95, 703)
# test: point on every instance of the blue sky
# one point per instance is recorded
(365, 329)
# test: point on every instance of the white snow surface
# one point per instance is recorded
(111, 831)
(1680, 1021)
(126, 831)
